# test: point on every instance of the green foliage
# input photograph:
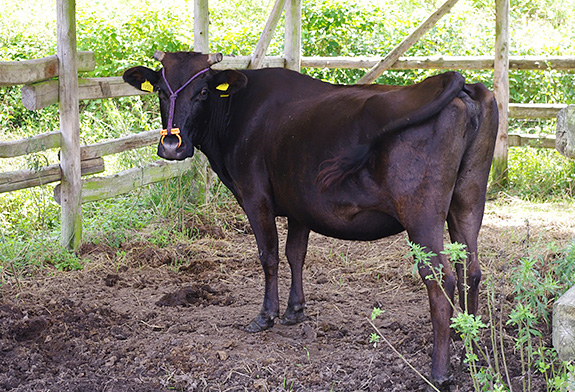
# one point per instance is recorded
(66, 261)
(539, 174)
(469, 327)
(27, 213)
(140, 35)
(235, 27)
(376, 312)
(455, 253)
(24, 257)
(537, 280)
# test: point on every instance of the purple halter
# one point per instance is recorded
(173, 97)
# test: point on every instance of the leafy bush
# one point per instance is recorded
(538, 173)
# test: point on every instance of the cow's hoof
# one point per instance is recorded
(260, 323)
(292, 317)
(443, 384)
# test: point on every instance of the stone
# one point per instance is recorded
(564, 325)
(565, 136)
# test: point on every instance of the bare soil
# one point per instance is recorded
(149, 318)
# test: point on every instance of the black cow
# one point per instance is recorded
(354, 162)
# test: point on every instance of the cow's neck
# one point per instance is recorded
(213, 139)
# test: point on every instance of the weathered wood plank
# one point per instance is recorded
(43, 94)
(50, 140)
(242, 62)
(501, 91)
(13, 73)
(40, 95)
(565, 134)
(100, 188)
(20, 179)
(443, 62)
(71, 207)
(540, 141)
(292, 45)
(534, 110)
(407, 43)
(115, 146)
(412, 62)
(537, 62)
(201, 26)
(267, 35)
(36, 143)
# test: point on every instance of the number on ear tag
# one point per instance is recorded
(147, 86)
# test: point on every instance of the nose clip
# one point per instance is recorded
(173, 131)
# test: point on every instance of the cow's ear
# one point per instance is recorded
(142, 78)
(229, 82)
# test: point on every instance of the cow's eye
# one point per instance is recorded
(204, 93)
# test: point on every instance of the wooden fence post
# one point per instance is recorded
(293, 35)
(71, 211)
(263, 44)
(501, 90)
(201, 26)
(202, 44)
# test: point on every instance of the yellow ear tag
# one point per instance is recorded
(147, 86)
(223, 87)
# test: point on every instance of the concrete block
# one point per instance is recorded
(565, 137)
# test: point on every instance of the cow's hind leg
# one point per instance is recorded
(468, 201)
(464, 224)
(296, 248)
(440, 283)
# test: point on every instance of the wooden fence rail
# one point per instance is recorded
(100, 188)
(42, 93)
(13, 73)
(92, 162)
(90, 155)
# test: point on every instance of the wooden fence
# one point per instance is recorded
(44, 93)
(41, 89)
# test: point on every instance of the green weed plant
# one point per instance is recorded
(537, 282)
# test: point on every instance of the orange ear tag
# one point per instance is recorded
(174, 131)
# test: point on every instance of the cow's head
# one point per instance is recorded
(188, 88)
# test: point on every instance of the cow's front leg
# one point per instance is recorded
(296, 248)
(263, 224)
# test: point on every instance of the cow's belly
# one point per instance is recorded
(352, 224)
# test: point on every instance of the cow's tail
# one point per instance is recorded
(333, 171)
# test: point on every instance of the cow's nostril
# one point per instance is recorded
(172, 142)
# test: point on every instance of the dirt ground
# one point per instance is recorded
(145, 318)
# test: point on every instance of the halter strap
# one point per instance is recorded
(173, 97)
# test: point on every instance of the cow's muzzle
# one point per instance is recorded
(172, 147)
